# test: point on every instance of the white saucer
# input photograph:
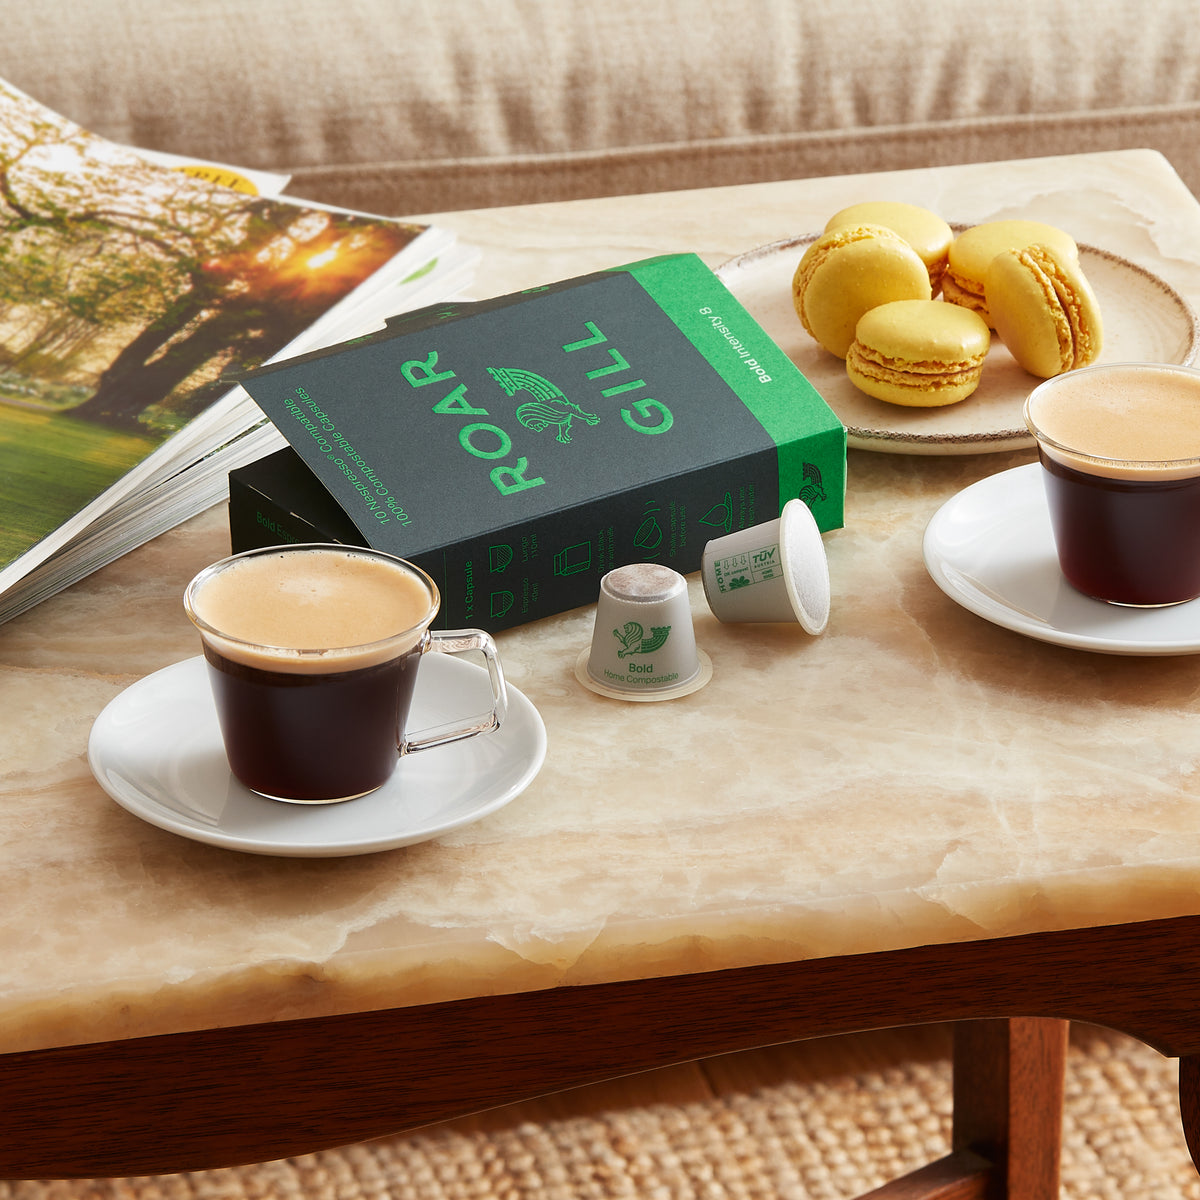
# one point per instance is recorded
(991, 549)
(156, 750)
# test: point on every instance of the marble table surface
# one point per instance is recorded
(913, 775)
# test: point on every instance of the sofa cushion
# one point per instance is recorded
(419, 105)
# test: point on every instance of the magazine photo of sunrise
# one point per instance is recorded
(129, 293)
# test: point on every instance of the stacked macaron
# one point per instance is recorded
(865, 291)
(847, 272)
(923, 230)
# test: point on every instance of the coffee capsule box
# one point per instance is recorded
(520, 448)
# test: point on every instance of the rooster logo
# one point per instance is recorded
(813, 488)
(634, 641)
(549, 405)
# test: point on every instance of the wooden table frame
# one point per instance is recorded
(222, 1097)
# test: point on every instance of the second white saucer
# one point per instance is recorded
(990, 548)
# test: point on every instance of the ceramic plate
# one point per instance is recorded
(156, 749)
(991, 549)
(1145, 320)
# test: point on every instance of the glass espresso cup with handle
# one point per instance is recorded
(313, 653)
(1119, 446)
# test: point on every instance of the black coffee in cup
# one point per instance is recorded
(1120, 450)
(313, 654)
(297, 736)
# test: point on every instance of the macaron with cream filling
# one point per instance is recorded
(919, 353)
(1044, 310)
(848, 271)
(971, 254)
(922, 229)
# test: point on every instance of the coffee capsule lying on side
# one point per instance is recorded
(776, 571)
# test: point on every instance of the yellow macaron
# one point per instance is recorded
(849, 270)
(920, 353)
(1044, 310)
(922, 229)
(972, 251)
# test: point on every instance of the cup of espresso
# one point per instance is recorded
(313, 652)
(1119, 446)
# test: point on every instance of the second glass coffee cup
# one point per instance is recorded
(313, 653)
(1119, 445)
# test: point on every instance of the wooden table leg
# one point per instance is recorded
(1008, 1100)
(1007, 1133)
(1189, 1103)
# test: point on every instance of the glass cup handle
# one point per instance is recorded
(462, 641)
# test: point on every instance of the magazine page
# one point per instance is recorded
(195, 475)
(129, 290)
(249, 180)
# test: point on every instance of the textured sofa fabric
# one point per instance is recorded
(403, 106)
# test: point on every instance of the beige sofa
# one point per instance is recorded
(403, 106)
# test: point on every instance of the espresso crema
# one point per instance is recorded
(313, 610)
(1121, 421)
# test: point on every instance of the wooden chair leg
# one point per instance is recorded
(1008, 1099)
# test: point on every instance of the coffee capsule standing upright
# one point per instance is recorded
(643, 645)
(776, 571)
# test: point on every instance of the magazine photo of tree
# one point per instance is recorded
(128, 290)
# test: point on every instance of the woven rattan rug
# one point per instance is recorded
(833, 1138)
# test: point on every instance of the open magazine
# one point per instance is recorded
(132, 284)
